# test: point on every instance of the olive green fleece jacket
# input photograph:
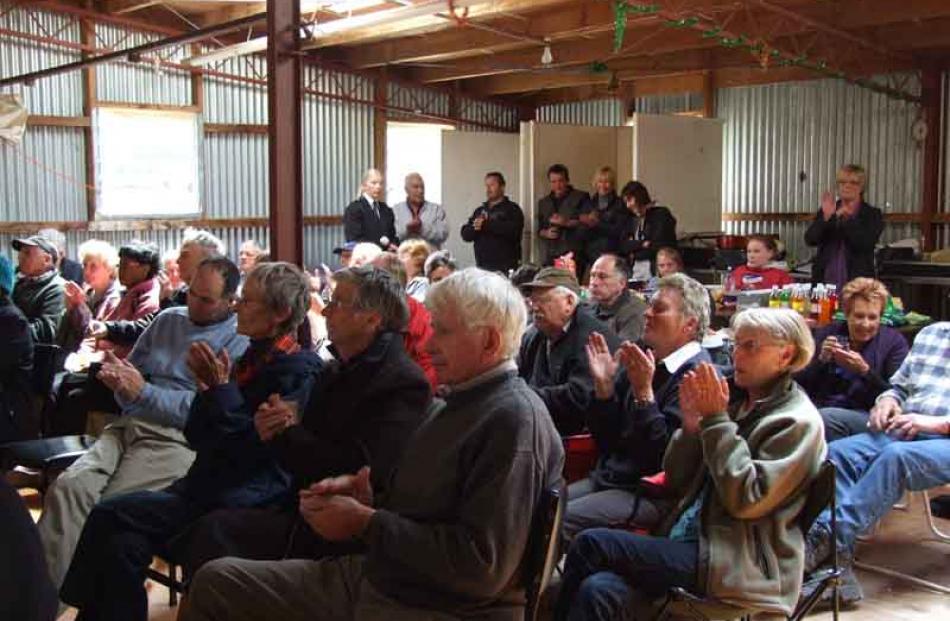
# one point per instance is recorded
(759, 465)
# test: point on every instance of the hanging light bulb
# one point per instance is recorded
(546, 57)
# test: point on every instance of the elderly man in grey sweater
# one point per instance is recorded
(447, 541)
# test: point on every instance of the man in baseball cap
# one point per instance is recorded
(553, 358)
(39, 289)
(345, 252)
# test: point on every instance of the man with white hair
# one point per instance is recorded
(417, 218)
(636, 407)
(448, 538)
(369, 218)
(39, 290)
(553, 358)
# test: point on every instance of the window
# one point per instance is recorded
(148, 163)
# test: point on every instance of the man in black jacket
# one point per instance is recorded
(361, 412)
(845, 231)
(635, 407)
(369, 218)
(559, 218)
(553, 357)
(496, 228)
(40, 290)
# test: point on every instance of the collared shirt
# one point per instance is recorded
(500, 369)
(435, 226)
(373, 203)
(679, 357)
(552, 342)
(922, 383)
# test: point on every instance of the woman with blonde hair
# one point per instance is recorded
(413, 254)
(97, 300)
(855, 360)
(601, 219)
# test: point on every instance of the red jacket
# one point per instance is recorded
(417, 337)
(745, 278)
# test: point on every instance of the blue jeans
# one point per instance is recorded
(604, 567)
(874, 471)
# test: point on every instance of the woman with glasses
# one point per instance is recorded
(845, 231)
(739, 468)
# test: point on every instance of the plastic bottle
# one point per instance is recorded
(785, 298)
(814, 311)
(775, 298)
(798, 300)
(833, 298)
(825, 314)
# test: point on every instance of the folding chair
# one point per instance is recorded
(48, 455)
(172, 582)
(580, 456)
(680, 602)
(543, 553)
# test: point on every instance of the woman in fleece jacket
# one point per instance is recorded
(740, 467)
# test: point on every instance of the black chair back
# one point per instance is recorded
(820, 495)
(543, 551)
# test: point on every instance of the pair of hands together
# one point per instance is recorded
(831, 350)
(702, 392)
(338, 508)
(888, 417)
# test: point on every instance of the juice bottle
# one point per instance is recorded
(785, 298)
(775, 298)
(824, 315)
(814, 310)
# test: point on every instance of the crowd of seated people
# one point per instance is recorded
(395, 470)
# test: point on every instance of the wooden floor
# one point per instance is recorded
(898, 544)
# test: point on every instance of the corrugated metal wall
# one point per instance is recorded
(669, 104)
(784, 142)
(145, 82)
(481, 113)
(603, 112)
(420, 101)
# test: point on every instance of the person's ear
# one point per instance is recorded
(491, 342)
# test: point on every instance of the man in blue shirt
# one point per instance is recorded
(145, 448)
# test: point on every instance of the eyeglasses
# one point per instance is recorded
(752, 346)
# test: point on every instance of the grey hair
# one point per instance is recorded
(364, 253)
(204, 239)
(285, 287)
(366, 175)
(695, 299)
(98, 249)
(482, 299)
(782, 324)
(571, 294)
(378, 292)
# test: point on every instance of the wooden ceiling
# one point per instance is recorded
(496, 48)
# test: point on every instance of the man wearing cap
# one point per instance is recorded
(553, 356)
(39, 291)
(345, 252)
(68, 269)
(16, 362)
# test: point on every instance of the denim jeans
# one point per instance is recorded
(874, 471)
(842, 422)
(604, 567)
